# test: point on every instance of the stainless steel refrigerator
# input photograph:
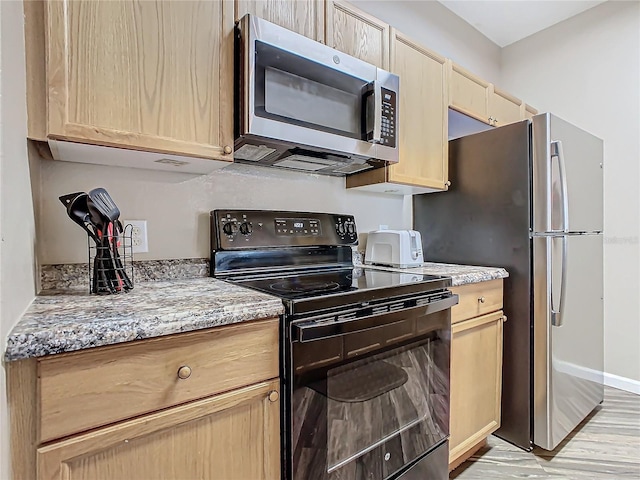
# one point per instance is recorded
(529, 197)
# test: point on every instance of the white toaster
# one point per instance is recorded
(396, 248)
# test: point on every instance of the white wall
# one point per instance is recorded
(440, 30)
(17, 226)
(177, 210)
(587, 71)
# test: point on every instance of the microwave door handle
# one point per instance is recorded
(377, 112)
(372, 121)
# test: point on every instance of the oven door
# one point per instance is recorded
(302, 92)
(368, 393)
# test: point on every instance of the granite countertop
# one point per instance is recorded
(65, 321)
(72, 319)
(460, 274)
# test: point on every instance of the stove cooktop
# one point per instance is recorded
(340, 287)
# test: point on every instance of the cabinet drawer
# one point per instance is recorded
(477, 299)
(84, 390)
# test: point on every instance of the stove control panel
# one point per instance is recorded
(298, 227)
(243, 229)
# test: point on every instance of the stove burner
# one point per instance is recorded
(296, 287)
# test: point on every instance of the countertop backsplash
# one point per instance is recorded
(76, 275)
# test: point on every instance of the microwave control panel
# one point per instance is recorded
(389, 118)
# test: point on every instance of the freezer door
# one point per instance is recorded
(568, 334)
(567, 177)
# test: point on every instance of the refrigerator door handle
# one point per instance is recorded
(556, 151)
(557, 301)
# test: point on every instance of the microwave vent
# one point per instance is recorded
(353, 168)
(253, 153)
(302, 162)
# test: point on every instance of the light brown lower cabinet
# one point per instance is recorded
(202, 405)
(476, 369)
(231, 436)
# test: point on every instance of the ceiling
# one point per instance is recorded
(506, 22)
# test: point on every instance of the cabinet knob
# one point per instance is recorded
(495, 121)
(504, 319)
(227, 149)
(448, 183)
(490, 120)
(481, 300)
(273, 396)
(184, 372)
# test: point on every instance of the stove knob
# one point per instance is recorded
(230, 228)
(351, 228)
(245, 228)
(340, 228)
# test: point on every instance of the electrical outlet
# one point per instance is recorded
(139, 240)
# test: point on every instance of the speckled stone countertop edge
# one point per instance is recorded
(72, 320)
(460, 274)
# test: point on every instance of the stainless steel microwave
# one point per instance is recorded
(305, 106)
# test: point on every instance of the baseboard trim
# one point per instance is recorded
(622, 383)
(609, 379)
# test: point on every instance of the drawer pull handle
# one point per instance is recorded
(274, 396)
(481, 300)
(184, 372)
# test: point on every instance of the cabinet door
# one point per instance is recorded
(422, 114)
(305, 17)
(476, 381)
(152, 75)
(235, 435)
(468, 94)
(527, 111)
(357, 33)
(503, 107)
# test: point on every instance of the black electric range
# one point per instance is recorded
(358, 346)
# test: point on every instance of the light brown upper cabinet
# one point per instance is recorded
(527, 111)
(357, 33)
(468, 93)
(423, 124)
(504, 108)
(153, 75)
(305, 17)
(477, 98)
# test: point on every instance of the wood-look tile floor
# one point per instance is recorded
(606, 445)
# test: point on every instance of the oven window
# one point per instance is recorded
(366, 404)
(298, 91)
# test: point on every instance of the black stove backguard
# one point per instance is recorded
(255, 241)
(258, 229)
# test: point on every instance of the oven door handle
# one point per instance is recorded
(312, 330)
